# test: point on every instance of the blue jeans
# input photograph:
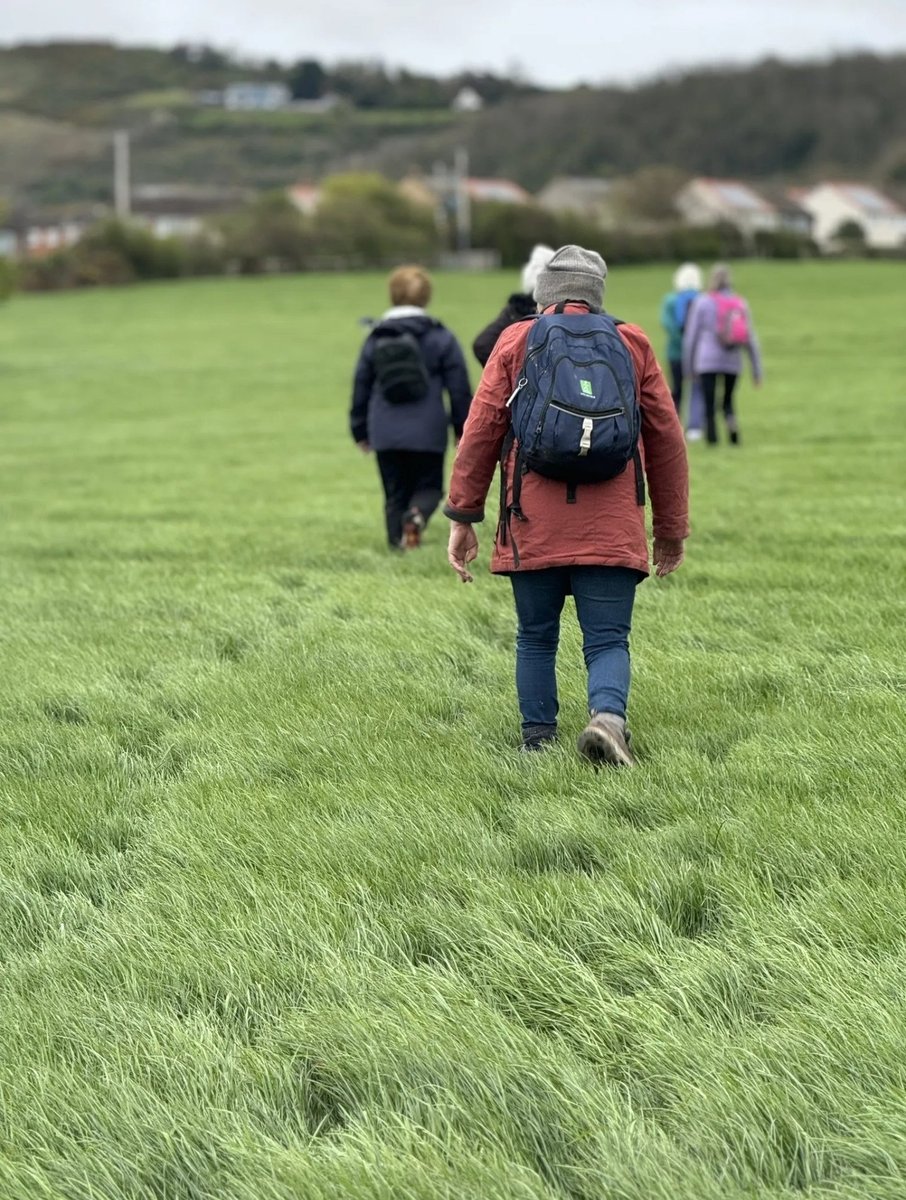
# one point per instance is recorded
(604, 597)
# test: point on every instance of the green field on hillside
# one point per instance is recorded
(283, 913)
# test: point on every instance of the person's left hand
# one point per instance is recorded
(462, 549)
(668, 555)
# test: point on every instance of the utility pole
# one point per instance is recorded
(463, 207)
(452, 186)
(122, 189)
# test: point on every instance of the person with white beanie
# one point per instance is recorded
(519, 306)
(687, 284)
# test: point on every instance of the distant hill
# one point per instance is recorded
(59, 103)
(775, 119)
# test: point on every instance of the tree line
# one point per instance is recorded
(774, 120)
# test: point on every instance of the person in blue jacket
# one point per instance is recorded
(407, 362)
(687, 283)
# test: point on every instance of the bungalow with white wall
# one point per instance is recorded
(706, 201)
(835, 204)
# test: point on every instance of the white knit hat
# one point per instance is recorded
(688, 278)
(538, 259)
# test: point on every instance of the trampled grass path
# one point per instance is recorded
(282, 911)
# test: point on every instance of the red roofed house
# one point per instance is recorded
(726, 201)
(305, 196)
(502, 191)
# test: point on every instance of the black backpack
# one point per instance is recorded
(399, 366)
(575, 413)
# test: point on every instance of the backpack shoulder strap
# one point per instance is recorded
(636, 454)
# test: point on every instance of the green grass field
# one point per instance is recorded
(282, 911)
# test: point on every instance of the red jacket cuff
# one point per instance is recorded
(465, 516)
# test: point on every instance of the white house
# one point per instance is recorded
(467, 100)
(715, 201)
(833, 204)
(267, 97)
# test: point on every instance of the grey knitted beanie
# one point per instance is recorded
(572, 274)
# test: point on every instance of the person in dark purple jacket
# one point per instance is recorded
(410, 439)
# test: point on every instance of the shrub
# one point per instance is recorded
(513, 229)
(266, 233)
(147, 256)
(850, 239)
(365, 221)
(7, 279)
(82, 265)
(784, 243)
(115, 253)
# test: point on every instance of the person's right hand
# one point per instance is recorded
(365, 447)
(668, 555)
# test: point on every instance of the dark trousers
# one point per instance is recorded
(709, 387)
(604, 598)
(411, 479)
(676, 390)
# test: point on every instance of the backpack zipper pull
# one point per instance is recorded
(518, 388)
(585, 441)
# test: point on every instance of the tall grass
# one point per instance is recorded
(282, 911)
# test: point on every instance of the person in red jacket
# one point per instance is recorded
(591, 544)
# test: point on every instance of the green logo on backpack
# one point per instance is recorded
(585, 388)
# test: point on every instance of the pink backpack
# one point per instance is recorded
(732, 324)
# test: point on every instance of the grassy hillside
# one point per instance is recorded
(282, 911)
(773, 120)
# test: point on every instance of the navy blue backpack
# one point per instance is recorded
(575, 412)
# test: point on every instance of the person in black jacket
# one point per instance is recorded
(520, 304)
(409, 435)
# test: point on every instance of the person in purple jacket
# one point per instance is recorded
(718, 329)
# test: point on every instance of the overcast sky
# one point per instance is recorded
(555, 42)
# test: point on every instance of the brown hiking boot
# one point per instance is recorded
(413, 524)
(604, 740)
